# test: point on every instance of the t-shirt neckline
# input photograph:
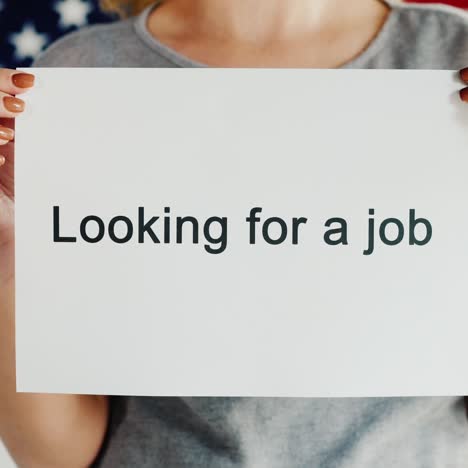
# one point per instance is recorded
(180, 60)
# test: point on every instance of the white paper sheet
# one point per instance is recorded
(292, 319)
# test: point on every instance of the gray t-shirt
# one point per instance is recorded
(284, 433)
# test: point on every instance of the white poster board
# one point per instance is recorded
(113, 301)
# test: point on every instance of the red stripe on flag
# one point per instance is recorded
(456, 3)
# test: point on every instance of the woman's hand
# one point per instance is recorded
(464, 78)
(12, 83)
(50, 431)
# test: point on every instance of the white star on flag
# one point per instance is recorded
(73, 12)
(28, 43)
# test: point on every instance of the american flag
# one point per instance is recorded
(28, 26)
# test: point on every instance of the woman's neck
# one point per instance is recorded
(297, 33)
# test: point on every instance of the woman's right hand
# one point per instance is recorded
(12, 83)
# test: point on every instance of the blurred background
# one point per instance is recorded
(29, 26)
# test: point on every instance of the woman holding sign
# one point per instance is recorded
(73, 431)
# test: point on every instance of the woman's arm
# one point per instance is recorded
(44, 431)
(40, 431)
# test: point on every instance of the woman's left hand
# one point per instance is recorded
(464, 78)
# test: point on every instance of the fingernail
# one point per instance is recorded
(464, 74)
(23, 80)
(2, 160)
(464, 94)
(6, 133)
(13, 104)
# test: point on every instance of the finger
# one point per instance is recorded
(2, 160)
(6, 135)
(10, 106)
(10, 123)
(464, 74)
(14, 81)
(464, 94)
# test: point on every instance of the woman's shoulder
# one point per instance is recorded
(436, 15)
(104, 45)
(429, 35)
